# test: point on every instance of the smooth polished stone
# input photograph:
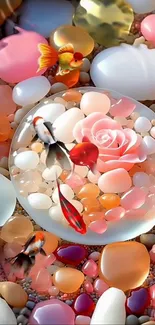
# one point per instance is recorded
(39, 201)
(98, 226)
(52, 312)
(88, 191)
(94, 102)
(71, 254)
(133, 199)
(122, 107)
(72, 96)
(115, 181)
(27, 160)
(109, 201)
(7, 106)
(132, 262)
(13, 294)
(82, 320)
(7, 199)
(84, 305)
(16, 227)
(50, 111)
(110, 308)
(5, 127)
(6, 314)
(68, 280)
(142, 124)
(138, 301)
(42, 281)
(90, 268)
(100, 286)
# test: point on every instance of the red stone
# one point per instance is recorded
(71, 254)
(84, 305)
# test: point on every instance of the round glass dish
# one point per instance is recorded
(127, 227)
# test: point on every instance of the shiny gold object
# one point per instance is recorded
(107, 21)
(7, 8)
(77, 36)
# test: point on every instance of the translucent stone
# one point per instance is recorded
(138, 301)
(52, 174)
(82, 320)
(131, 261)
(7, 199)
(78, 205)
(115, 181)
(67, 122)
(27, 160)
(109, 201)
(39, 201)
(61, 313)
(84, 305)
(6, 316)
(91, 205)
(50, 111)
(88, 191)
(93, 178)
(152, 132)
(16, 227)
(90, 268)
(26, 92)
(133, 199)
(72, 96)
(37, 147)
(13, 294)
(110, 308)
(71, 254)
(81, 170)
(68, 280)
(42, 282)
(98, 226)
(141, 179)
(115, 214)
(150, 144)
(123, 107)
(94, 102)
(94, 256)
(53, 291)
(142, 124)
(100, 286)
(56, 214)
(74, 180)
(65, 190)
(88, 286)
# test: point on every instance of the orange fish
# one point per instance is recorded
(71, 214)
(66, 57)
(26, 258)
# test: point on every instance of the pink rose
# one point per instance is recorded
(118, 147)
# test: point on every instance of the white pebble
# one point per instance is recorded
(58, 87)
(50, 111)
(150, 144)
(27, 160)
(52, 174)
(19, 115)
(56, 214)
(60, 100)
(77, 204)
(93, 178)
(141, 179)
(86, 65)
(81, 170)
(142, 124)
(84, 77)
(43, 157)
(39, 201)
(66, 191)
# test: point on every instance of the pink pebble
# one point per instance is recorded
(122, 107)
(148, 28)
(88, 286)
(135, 213)
(133, 199)
(82, 320)
(100, 286)
(53, 291)
(152, 254)
(115, 214)
(90, 268)
(152, 294)
(98, 226)
(74, 180)
(94, 256)
(42, 282)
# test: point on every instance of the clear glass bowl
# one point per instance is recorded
(124, 229)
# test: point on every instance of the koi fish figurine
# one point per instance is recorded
(71, 214)
(54, 148)
(66, 57)
(85, 154)
(26, 258)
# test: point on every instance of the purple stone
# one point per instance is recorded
(52, 312)
(84, 305)
(138, 301)
(71, 254)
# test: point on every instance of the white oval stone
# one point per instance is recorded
(77, 204)
(31, 90)
(115, 181)
(50, 111)
(94, 102)
(39, 201)
(52, 174)
(141, 179)
(56, 214)
(27, 160)
(65, 123)
(110, 308)
(6, 314)
(142, 124)
(7, 199)
(19, 115)
(66, 191)
(150, 144)
(24, 138)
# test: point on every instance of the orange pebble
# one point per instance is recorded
(64, 175)
(70, 79)
(91, 206)
(72, 96)
(37, 147)
(90, 217)
(109, 201)
(89, 190)
(5, 128)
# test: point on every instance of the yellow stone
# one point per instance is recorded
(108, 22)
(67, 279)
(77, 36)
(109, 201)
(14, 294)
(124, 265)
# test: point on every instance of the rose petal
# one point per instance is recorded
(105, 124)
(131, 137)
(93, 118)
(77, 131)
(113, 164)
(122, 107)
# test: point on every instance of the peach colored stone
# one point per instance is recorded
(7, 106)
(124, 265)
(13, 293)
(94, 102)
(68, 280)
(16, 226)
(115, 181)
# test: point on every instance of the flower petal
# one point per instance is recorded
(93, 118)
(77, 131)
(105, 124)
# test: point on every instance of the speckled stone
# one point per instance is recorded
(132, 320)
(144, 319)
(148, 240)
(25, 311)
